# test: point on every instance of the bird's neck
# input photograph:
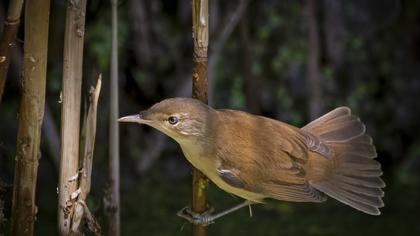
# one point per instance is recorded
(196, 145)
(199, 148)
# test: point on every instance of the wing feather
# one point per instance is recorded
(263, 161)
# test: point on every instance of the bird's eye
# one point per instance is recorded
(173, 120)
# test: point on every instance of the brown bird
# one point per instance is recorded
(255, 157)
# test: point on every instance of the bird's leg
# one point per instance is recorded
(207, 217)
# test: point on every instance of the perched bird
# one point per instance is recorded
(255, 157)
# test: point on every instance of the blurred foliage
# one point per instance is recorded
(98, 38)
(372, 65)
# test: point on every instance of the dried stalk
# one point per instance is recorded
(89, 131)
(87, 145)
(7, 41)
(199, 91)
(30, 116)
(70, 113)
(114, 145)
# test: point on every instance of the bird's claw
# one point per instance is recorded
(204, 218)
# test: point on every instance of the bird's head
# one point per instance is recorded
(179, 118)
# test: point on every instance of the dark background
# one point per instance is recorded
(369, 61)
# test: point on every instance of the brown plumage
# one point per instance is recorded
(255, 157)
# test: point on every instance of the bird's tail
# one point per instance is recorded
(355, 179)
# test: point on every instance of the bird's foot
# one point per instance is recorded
(204, 218)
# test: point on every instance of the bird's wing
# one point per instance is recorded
(231, 178)
(265, 156)
(286, 189)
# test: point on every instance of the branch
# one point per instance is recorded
(199, 91)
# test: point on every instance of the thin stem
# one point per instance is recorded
(114, 152)
(199, 91)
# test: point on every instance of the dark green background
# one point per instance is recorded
(372, 66)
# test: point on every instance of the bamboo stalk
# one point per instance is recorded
(70, 113)
(114, 150)
(7, 41)
(199, 91)
(31, 115)
(87, 147)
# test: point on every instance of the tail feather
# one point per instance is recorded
(355, 162)
(364, 149)
(355, 179)
(317, 124)
(355, 203)
(375, 201)
(373, 192)
(361, 173)
(343, 131)
(369, 182)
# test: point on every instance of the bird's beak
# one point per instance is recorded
(131, 118)
(138, 118)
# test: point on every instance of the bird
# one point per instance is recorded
(259, 158)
